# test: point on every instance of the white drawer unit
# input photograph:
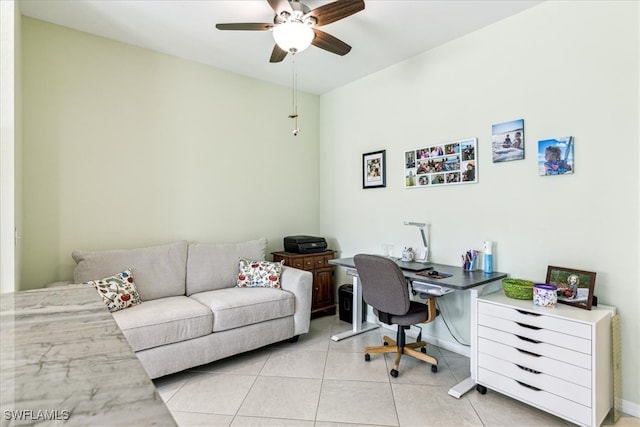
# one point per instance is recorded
(557, 359)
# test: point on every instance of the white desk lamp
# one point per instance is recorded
(424, 251)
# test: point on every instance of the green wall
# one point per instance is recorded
(125, 147)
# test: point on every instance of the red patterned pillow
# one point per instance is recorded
(259, 274)
(118, 292)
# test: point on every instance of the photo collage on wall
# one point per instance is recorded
(442, 164)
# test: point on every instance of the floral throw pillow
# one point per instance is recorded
(118, 292)
(259, 274)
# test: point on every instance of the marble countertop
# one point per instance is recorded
(64, 360)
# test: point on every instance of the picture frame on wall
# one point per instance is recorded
(441, 164)
(575, 287)
(555, 156)
(374, 169)
(507, 141)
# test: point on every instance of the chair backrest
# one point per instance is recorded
(383, 285)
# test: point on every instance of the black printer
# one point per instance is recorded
(304, 244)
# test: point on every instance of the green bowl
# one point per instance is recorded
(518, 288)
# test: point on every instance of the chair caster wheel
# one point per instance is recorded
(394, 373)
(367, 357)
(434, 368)
(423, 350)
(481, 389)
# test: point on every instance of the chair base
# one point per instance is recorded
(391, 346)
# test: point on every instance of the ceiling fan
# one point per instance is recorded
(295, 26)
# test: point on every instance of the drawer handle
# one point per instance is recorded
(524, 368)
(527, 352)
(528, 313)
(524, 325)
(528, 386)
(528, 339)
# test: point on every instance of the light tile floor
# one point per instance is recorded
(322, 383)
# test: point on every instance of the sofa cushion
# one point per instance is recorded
(215, 266)
(164, 321)
(118, 291)
(159, 270)
(235, 307)
(261, 274)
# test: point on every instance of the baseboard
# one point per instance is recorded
(630, 408)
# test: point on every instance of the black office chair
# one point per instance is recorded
(384, 287)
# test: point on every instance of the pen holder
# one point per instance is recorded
(469, 261)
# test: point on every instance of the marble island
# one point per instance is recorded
(65, 362)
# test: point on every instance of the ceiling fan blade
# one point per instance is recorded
(329, 43)
(278, 54)
(279, 6)
(335, 11)
(246, 27)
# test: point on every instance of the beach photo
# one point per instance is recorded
(507, 141)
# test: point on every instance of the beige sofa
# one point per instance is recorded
(191, 312)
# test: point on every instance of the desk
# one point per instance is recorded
(476, 282)
(64, 360)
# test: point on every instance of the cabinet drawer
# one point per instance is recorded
(544, 400)
(540, 348)
(308, 263)
(537, 333)
(537, 379)
(326, 260)
(531, 318)
(318, 262)
(296, 263)
(539, 363)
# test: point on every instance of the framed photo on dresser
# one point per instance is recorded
(575, 287)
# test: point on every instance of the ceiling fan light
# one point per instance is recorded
(293, 36)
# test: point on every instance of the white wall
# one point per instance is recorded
(10, 137)
(567, 69)
(125, 147)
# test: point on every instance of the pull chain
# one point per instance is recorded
(294, 97)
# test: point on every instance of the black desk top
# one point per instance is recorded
(459, 279)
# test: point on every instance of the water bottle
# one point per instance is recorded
(488, 257)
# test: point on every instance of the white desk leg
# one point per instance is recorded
(358, 326)
(467, 384)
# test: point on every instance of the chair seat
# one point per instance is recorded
(418, 313)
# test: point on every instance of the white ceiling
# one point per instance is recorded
(384, 33)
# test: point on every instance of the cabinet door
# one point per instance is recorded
(323, 288)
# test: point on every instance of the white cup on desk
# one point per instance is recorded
(407, 255)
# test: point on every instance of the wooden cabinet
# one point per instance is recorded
(323, 301)
(556, 359)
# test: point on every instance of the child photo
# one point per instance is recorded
(555, 156)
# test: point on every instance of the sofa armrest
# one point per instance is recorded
(299, 282)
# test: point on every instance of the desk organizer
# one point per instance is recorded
(518, 288)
